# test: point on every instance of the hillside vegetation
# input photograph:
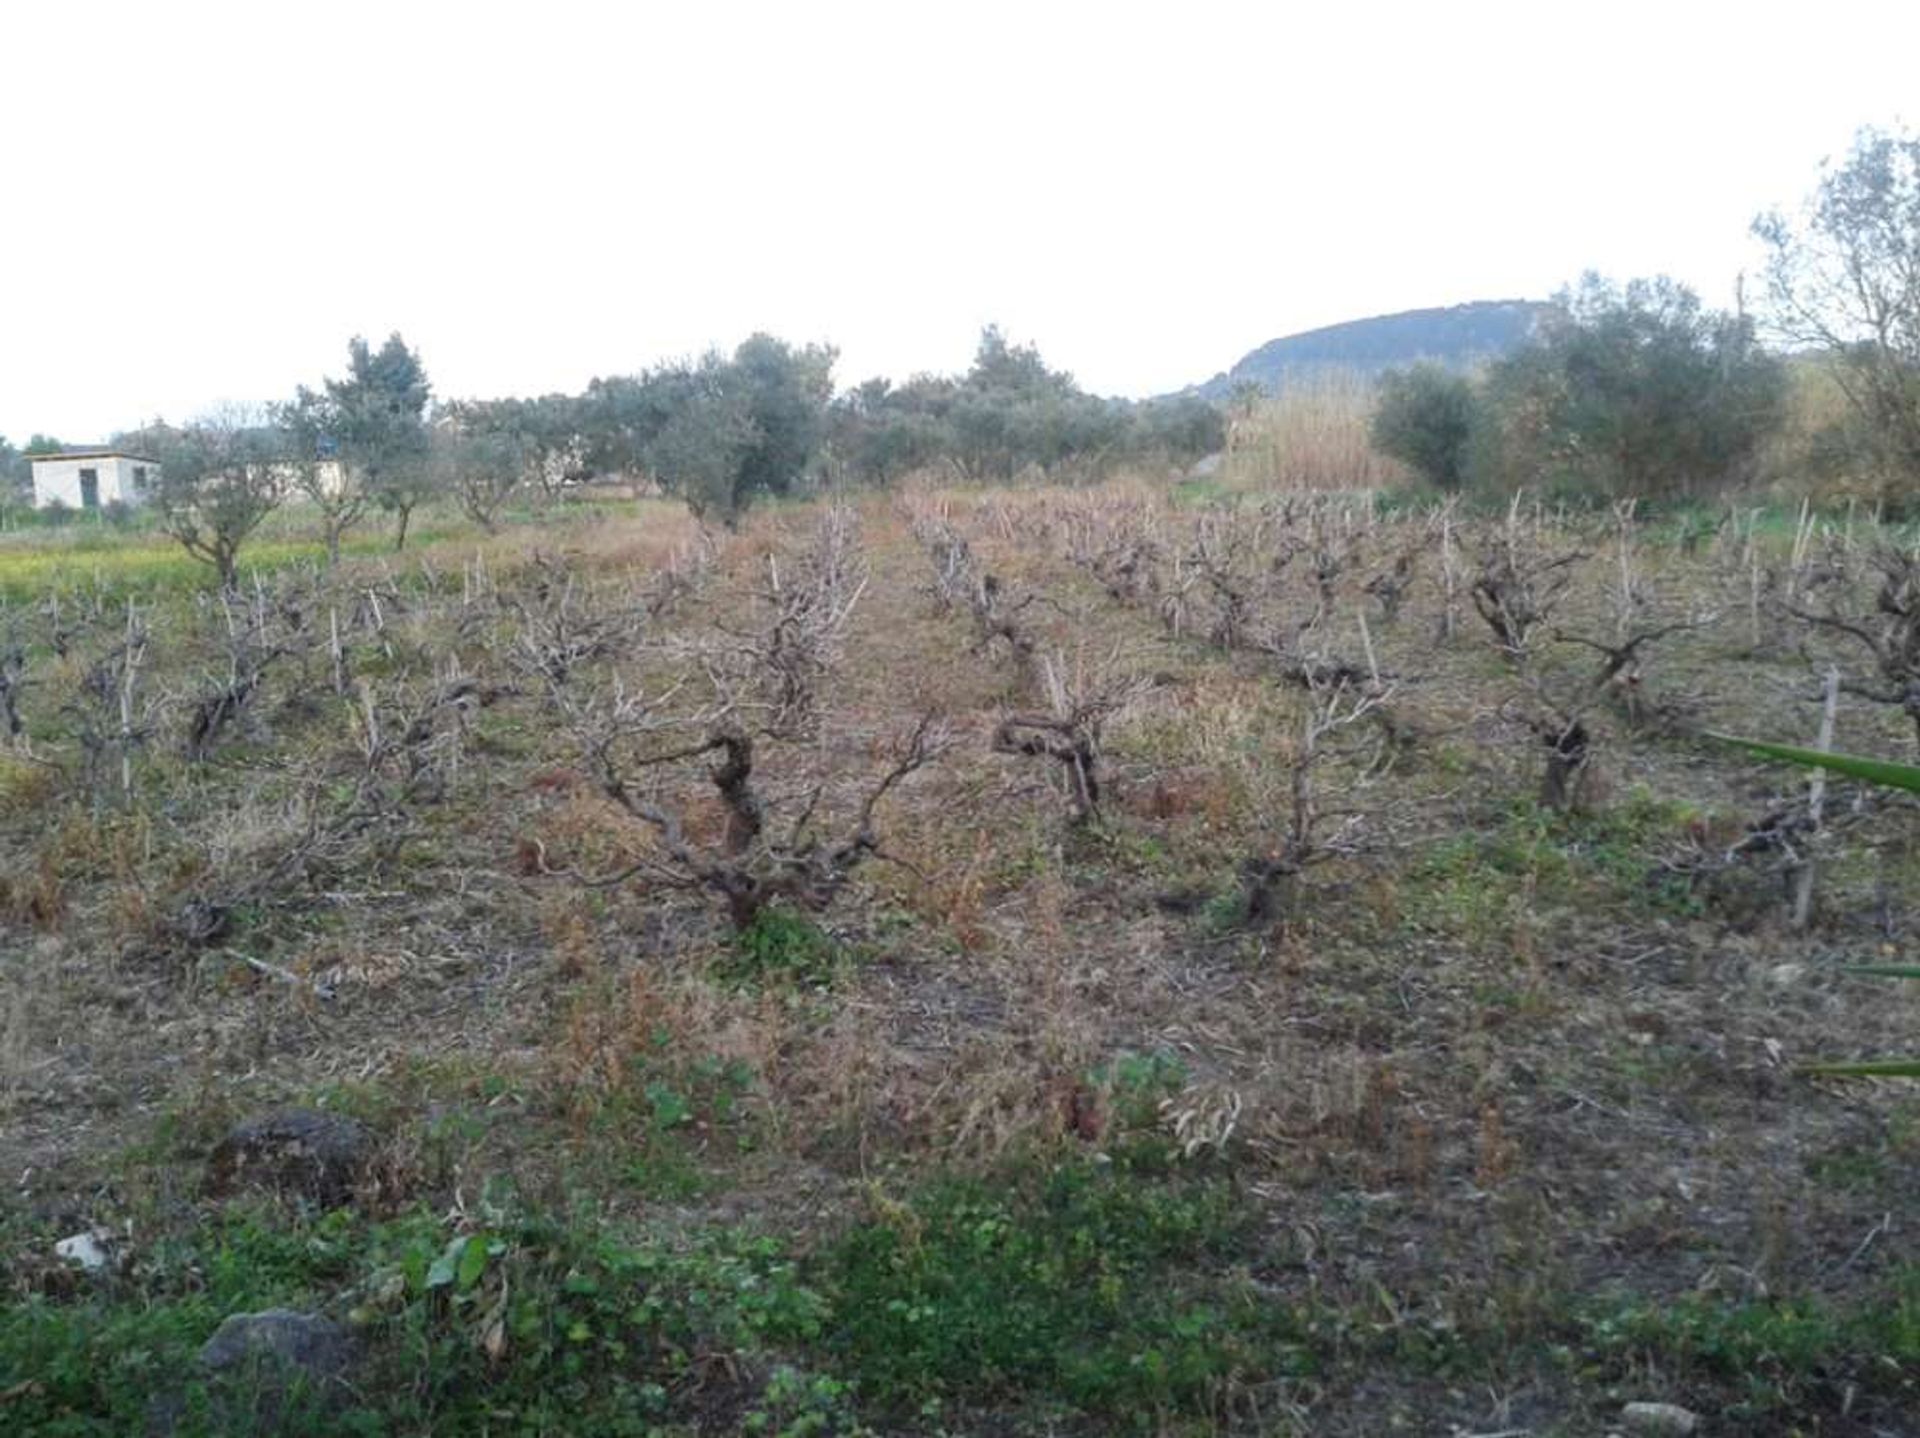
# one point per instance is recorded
(1458, 336)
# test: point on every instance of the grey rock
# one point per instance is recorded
(259, 1373)
(1659, 1419)
(317, 1347)
(297, 1151)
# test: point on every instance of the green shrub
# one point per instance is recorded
(1425, 418)
(1632, 391)
(783, 945)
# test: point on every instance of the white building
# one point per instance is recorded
(328, 477)
(91, 478)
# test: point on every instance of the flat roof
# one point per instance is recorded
(99, 453)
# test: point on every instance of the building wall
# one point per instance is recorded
(327, 474)
(60, 479)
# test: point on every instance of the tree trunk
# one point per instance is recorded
(1566, 786)
(744, 902)
(1269, 890)
(733, 778)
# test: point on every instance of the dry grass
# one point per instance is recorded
(1804, 459)
(1485, 1052)
(1311, 436)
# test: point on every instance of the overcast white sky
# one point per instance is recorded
(207, 200)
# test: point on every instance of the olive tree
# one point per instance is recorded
(1425, 418)
(219, 477)
(16, 476)
(784, 390)
(1635, 391)
(377, 417)
(1843, 277)
(316, 471)
(547, 436)
(483, 468)
(699, 451)
(718, 432)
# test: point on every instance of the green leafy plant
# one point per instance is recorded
(1884, 772)
(462, 1262)
(781, 944)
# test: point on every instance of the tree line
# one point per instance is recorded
(718, 432)
(1638, 390)
(1624, 390)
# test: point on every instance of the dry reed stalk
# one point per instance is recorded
(1314, 434)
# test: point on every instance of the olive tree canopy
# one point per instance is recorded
(1843, 277)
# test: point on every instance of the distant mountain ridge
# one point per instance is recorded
(1455, 335)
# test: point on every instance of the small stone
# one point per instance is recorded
(89, 1250)
(297, 1151)
(1781, 975)
(1659, 1419)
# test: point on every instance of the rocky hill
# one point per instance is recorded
(1457, 335)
